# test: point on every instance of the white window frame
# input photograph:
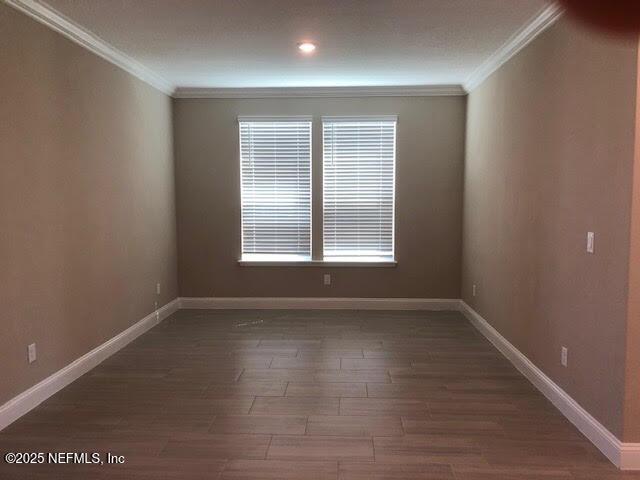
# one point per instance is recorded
(275, 259)
(362, 258)
(297, 261)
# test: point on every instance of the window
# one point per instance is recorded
(275, 158)
(359, 187)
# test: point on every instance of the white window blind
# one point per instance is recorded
(359, 187)
(275, 157)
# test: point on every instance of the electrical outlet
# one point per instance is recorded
(32, 353)
(563, 356)
(473, 290)
(327, 279)
(158, 288)
(591, 239)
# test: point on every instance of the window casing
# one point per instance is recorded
(359, 188)
(275, 164)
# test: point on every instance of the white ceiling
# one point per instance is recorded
(252, 43)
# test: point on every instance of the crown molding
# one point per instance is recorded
(322, 92)
(48, 16)
(538, 24)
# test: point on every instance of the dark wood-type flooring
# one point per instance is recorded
(310, 395)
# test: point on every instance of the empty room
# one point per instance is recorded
(320, 239)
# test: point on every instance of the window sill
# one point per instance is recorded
(381, 263)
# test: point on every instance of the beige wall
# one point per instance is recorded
(86, 201)
(550, 139)
(430, 152)
(632, 380)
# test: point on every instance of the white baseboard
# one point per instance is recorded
(320, 303)
(34, 396)
(625, 456)
(629, 456)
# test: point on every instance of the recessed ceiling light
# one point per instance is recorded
(306, 47)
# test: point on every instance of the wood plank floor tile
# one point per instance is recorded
(295, 406)
(455, 427)
(382, 471)
(355, 426)
(306, 363)
(279, 470)
(203, 373)
(352, 376)
(218, 344)
(276, 375)
(320, 448)
(127, 443)
(263, 424)
(427, 449)
(553, 428)
(485, 385)
(211, 406)
(355, 342)
(289, 343)
(592, 474)
(451, 371)
(374, 363)
(145, 468)
(232, 361)
(217, 446)
(442, 408)
(321, 352)
(396, 353)
(326, 389)
(465, 472)
(272, 352)
(383, 406)
(166, 423)
(433, 390)
(500, 452)
(245, 389)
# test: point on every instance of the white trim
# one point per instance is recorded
(629, 456)
(322, 92)
(538, 24)
(625, 456)
(320, 303)
(319, 263)
(34, 396)
(359, 118)
(48, 16)
(275, 118)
